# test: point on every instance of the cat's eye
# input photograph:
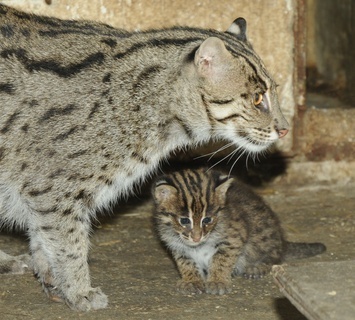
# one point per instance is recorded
(258, 98)
(184, 221)
(207, 220)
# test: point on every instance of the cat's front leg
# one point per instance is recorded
(59, 245)
(219, 279)
(191, 281)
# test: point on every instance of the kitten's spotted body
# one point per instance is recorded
(217, 227)
(88, 111)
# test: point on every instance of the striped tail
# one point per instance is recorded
(301, 250)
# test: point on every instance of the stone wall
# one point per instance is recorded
(331, 47)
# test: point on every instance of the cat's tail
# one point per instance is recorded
(300, 250)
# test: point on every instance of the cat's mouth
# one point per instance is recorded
(194, 241)
(253, 145)
(254, 140)
(194, 244)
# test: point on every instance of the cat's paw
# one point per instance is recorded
(15, 264)
(94, 299)
(52, 292)
(218, 287)
(256, 272)
(188, 287)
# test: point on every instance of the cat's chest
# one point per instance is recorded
(202, 256)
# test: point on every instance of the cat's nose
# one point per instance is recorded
(282, 132)
(196, 238)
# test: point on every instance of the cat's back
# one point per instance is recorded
(26, 27)
(53, 37)
(244, 203)
(65, 47)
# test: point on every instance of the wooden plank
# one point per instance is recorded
(320, 290)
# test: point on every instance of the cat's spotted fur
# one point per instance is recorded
(217, 227)
(87, 111)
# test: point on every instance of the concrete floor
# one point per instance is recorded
(129, 264)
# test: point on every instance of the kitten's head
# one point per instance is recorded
(188, 203)
(237, 92)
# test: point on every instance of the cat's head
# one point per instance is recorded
(189, 203)
(237, 92)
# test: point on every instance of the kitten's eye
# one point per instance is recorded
(258, 98)
(184, 221)
(206, 220)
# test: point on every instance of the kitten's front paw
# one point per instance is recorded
(214, 287)
(94, 299)
(256, 272)
(186, 287)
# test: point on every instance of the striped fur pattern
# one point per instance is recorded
(89, 111)
(216, 227)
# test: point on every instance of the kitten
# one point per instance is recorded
(89, 111)
(216, 228)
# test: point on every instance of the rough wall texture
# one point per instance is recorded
(324, 148)
(327, 134)
(270, 25)
(330, 45)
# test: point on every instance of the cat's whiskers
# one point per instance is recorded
(218, 162)
(213, 153)
(229, 155)
(232, 154)
(231, 169)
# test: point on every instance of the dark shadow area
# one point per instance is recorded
(287, 311)
(330, 51)
(255, 172)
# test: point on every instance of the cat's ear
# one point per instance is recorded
(239, 29)
(222, 188)
(211, 57)
(164, 192)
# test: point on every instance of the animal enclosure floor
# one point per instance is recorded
(129, 264)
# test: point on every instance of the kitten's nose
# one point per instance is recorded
(196, 238)
(282, 133)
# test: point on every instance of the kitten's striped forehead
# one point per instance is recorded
(194, 189)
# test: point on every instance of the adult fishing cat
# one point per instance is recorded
(87, 111)
(217, 227)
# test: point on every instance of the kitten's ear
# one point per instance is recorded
(239, 29)
(164, 192)
(221, 190)
(211, 57)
